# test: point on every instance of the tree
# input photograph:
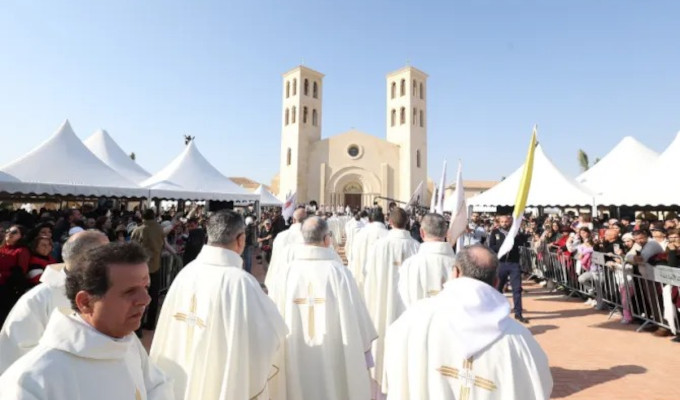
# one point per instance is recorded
(583, 160)
(133, 156)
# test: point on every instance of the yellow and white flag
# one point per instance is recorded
(521, 200)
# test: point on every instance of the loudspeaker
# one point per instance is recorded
(214, 206)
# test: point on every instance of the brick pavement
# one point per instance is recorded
(595, 358)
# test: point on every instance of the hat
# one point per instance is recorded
(627, 236)
(75, 230)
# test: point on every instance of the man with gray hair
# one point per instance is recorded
(26, 323)
(283, 248)
(218, 332)
(331, 332)
(423, 274)
(463, 344)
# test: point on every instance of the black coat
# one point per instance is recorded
(496, 239)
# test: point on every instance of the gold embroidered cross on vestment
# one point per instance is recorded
(467, 378)
(311, 302)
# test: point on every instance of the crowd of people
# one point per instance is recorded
(80, 283)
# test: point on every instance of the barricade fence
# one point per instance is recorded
(647, 293)
(171, 264)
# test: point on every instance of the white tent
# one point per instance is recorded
(549, 187)
(195, 177)
(615, 169)
(11, 185)
(62, 165)
(267, 198)
(104, 147)
(649, 185)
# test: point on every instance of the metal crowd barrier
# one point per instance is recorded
(645, 292)
(171, 264)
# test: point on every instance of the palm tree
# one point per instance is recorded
(133, 156)
(583, 160)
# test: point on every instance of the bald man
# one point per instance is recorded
(463, 344)
(26, 323)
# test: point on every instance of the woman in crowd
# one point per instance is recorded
(14, 259)
(41, 250)
(265, 239)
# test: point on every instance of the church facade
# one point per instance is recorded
(352, 168)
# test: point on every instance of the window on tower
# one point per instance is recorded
(287, 89)
(393, 91)
(415, 114)
(315, 90)
(422, 94)
(415, 88)
(422, 119)
(402, 116)
(294, 86)
(402, 89)
(393, 117)
(286, 117)
(304, 114)
(288, 156)
(294, 115)
(315, 118)
(305, 89)
(417, 158)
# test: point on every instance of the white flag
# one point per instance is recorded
(459, 217)
(288, 207)
(439, 205)
(433, 200)
(416, 197)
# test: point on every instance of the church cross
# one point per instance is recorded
(467, 378)
(431, 293)
(192, 320)
(310, 301)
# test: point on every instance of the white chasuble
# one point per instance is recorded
(423, 274)
(26, 323)
(282, 253)
(361, 244)
(75, 361)
(218, 332)
(330, 330)
(352, 227)
(462, 345)
(380, 289)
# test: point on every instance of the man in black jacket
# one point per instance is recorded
(509, 263)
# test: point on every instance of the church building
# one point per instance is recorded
(352, 168)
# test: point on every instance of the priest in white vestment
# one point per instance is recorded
(351, 228)
(330, 331)
(363, 241)
(26, 323)
(382, 278)
(283, 247)
(423, 274)
(218, 332)
(462, 343)
(93, 353)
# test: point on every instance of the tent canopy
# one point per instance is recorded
(549, 187)
(62, 165)
(191, 172)
(267, 198)
(649, 184)
(102, 145)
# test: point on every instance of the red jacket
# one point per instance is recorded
(10, 257)
(36, 266)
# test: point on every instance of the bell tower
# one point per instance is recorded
(407, 126)
(301, 126)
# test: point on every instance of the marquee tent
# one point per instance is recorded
(194, 176)
(549, 187)
(62, 165)
(102, 145)
(267, 198)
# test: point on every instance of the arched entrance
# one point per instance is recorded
(352, 192)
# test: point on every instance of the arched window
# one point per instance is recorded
(422, 119)
(315, 118)
(294, 86)
(402, 116)
(315, 90)
(422, 94)
(402, 89)
(305, 89)
(288, 156)
(418, 158)
(393, 91)
(393, 117)
(286, 117)
(415, 89)
(304, 114)
(415, 115)
(294, 115)
(287, 89)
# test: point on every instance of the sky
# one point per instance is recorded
(588, 72)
